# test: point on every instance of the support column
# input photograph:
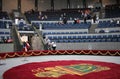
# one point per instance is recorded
(84, 4)
(100, 1)
(19, 5)
(0, 5)
(36, 5)
(68, 4)
(52, 5)
(101, 10)
(117, 2)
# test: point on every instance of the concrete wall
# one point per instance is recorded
(108, 2)
(44, 4)
(27, 5)
(89, 46)
(6, 47)
(9, 5)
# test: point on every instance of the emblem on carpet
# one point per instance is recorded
(78, 69)
(64, 69)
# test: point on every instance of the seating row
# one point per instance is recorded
(5, 37)
(25, 28)
(85, 40)
(107, 24)
(55, 15)
(51, 33)
(1, 33)
(83, 37)
(66, 26)
(5, 24)
(112, 11)
(4, 15)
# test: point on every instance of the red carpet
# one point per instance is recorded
(70, 69)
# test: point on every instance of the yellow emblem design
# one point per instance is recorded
(77, 69)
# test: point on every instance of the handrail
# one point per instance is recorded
(39, 33)
(17, 41)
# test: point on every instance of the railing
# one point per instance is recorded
(39, 33)
(16, 39)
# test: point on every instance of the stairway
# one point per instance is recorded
(92, 28)
(41, 40)
(16, 39)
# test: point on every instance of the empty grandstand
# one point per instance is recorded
(77, 28)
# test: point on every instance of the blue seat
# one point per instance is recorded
(21, 24)
(88, 37)
(87, 40)
(7, 32)
(76, 40)
(103, 40)
(2, 37)
(94, 37)
(71, 40)
(48, 32)
(83, 37)
(58, 33)
(118, 40)
(114, 36)
(97, 40)
(108, 40)
(105, 36)
(66, 40)
(76, 32)
(74, 37)
(101, 31)
(60, 41)
(79, 37)
(71, 32)
(84, 32)
(67, 33)
(55, 37)
(54, 40)
(92, 40)
(53, 32)
(114, 40)
(62, 33)
(69, 37)
(80, 40)
(50, 37)
(60, 37)
(1, 32)
(99, 37)
(64, 37)
(109, 36)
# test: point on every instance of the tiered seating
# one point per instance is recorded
(63, 29)
(5, 24)
(5, 21)
(4, 15)
(84, 38)
(112, 11)
(56, 15)
(32, 16)
(108, 26)
(24, 27)
(66, 26)
(5, 36)
(64, 32)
